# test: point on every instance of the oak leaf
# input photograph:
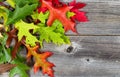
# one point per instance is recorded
(24, 31)
(58, 14)
(79, 15)
(54, 34)
(22, 9)
(41, 60)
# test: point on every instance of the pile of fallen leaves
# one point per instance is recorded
(29, 23)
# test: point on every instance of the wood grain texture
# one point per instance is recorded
(95, 52)
(91, 56)
(68, 66)
(104, 18)
(106, 47)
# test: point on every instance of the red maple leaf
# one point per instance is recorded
(58, 13)
(41, 60)
(79, 15)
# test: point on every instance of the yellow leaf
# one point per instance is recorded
(11, 2)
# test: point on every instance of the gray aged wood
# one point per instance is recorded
(95, 52)
(103, 18)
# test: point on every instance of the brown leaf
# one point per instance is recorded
(11, 35)
(6, 67)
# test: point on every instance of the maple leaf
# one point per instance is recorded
(24, 30)
(22, 9)
(79, 15)
(59, 14)
(40, 60)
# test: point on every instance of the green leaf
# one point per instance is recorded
(70, 14)
(24, 30)
(41, 16)
(21, 3)
(20, 69)
(21, 11)
(2, 0)
(54, 34)
(5, 55)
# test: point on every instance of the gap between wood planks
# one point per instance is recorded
(92, 35)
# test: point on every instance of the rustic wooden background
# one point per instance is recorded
(95, 52)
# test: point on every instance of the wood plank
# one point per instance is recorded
(96, 50)
(108, 1)
(82, 67)
(106, 47)
(103, 15)
(93, 57)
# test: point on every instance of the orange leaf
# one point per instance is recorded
(41, 60)
(59, 14)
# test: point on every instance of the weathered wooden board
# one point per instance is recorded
(104, 18)
(106, 47)
(95, 52)
(91, 57)
(68, 66)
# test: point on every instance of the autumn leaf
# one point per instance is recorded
(11, 35)
(46, 66)
(20, 69)
(49, 20)
(41, 16)
(17, 63)
(22, 9)
(5, 55)
(70, 14)
(47, 33)
(24, 30)
(56, 30)
(79, 15)
(58, 14)
(41, 60)
(11, 3)
(56, 3)
(6, 67)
